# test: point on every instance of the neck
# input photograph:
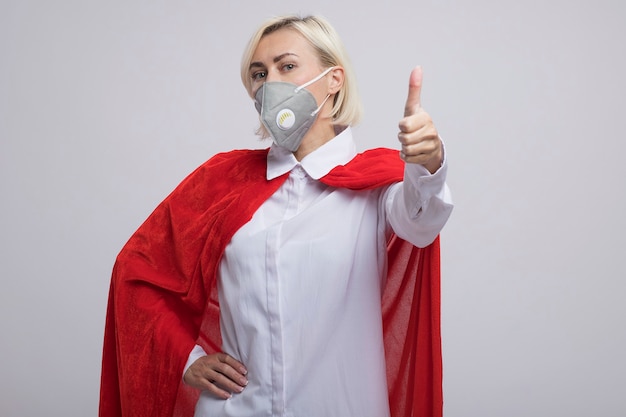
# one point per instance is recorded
(320, 133)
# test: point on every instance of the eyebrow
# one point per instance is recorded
(276, 59)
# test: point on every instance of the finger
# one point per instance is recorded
(413, 101)
(231, 374)
(223, 385)
(215, 373)
(415, 122)
(416, 129)
(424, 148)
(213, 387)
(234, 363)
(428, 153)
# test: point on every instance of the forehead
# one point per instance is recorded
(283, 41)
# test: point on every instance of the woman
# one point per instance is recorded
(259, 280)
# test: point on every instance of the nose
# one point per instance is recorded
(272, 75)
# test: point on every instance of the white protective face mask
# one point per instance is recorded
(287, 110)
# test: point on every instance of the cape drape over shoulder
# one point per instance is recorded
(163, 295)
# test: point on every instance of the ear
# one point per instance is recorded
(336, 81)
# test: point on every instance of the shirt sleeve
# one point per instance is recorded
(196, 353)
(418, 207)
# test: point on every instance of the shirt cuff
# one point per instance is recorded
(196, 353)
(422, 186)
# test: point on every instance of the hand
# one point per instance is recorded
(418, 136)
(219, 373)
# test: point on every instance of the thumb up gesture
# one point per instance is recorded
(418, 136)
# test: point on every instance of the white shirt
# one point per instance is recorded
(300, 287)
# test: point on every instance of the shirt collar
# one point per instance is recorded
(338, 151)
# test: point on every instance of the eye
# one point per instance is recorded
(259, 75)
(288, 67)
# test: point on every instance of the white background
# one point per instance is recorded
(106, 106)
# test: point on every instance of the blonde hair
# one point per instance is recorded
(322, 36)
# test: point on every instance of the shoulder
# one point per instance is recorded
(225, 169)
(383, 161)
(387, 154)
(224, 163)
(251, 156)
(369, 169)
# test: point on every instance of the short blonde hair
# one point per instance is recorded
(347, 109)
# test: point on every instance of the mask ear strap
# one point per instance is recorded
(320, 106)
(313, 80)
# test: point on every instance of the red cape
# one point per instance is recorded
(163, 296)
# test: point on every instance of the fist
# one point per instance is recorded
(418, 135)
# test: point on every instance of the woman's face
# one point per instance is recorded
(285, 55)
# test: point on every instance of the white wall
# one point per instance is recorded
(106, 106)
